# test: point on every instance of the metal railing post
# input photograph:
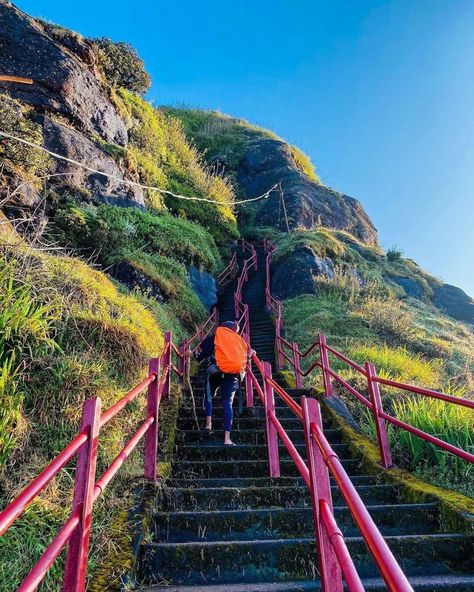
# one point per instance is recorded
(380, 425)
(182, 361)
(249, 385)
(272, 434)
(278, 338)
(320, 490)
(166, 365)
(152, 404)
(296, 364)
(323, 352)
(78, 547)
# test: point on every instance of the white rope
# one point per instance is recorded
(134, 183)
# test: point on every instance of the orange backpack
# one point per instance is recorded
(231, 351)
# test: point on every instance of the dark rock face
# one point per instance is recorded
(294, 274)
(72, 144)
(454, 301)
(133, 278)
(204, 285)
(268, 161)
(62, 83)
(412, 288)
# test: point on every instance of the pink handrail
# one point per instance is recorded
(367, 370)
(87, 488)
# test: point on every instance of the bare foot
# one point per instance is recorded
(209, 423)
(228, 442)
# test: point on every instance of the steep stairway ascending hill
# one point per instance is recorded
(224, 526)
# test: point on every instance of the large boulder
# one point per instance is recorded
(454, 301)
(294, 274)
(74, 145)
(268, 161)
(62, 82)
(205, 286)
(410, 286)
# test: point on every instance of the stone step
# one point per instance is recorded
(243, 468)
(278, 523)
(444, 583)
(229, 498)
(265, 481)
(243, 423)
(213, 450)
(247, 436)
(282, 412)
(283, 559)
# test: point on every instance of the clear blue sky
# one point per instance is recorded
(379, 94)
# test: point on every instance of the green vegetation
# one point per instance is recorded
(18, 159)
(161, 156)
(68, 334)
(224, 138)
(408, 340)
(121, 65)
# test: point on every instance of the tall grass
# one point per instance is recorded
(449, 422)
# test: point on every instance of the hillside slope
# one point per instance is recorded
(95, 268)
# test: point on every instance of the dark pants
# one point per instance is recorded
(229, 384)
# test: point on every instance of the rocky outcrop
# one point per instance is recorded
(308, 204)
(63, 84)
(205, 286)
(410, 286)
(454, 301)
(294, 274)
(72, 144)
(130, 276)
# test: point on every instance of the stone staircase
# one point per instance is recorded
(224, 525)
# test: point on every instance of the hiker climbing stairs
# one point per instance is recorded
(222, 524)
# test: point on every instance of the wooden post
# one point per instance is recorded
(272, 434)
(166, 365)
(380, 424)
(78, 548)
(151, 437)
(320, 490)
(323, 353)
(282, 197)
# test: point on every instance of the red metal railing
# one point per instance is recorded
(335, 562)
(75, 532)
(290, 353)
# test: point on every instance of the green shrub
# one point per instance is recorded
(121, 65)
(162, 156)
(107, 230)
(17, 120)
(394, 253)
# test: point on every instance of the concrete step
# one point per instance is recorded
(443, 583)
(213, 450)
(265, 481)
(243, 468)
(229, 498)
(278, 523)
(294, 558)
(247, 436)
(242, 423)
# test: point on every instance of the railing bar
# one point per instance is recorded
(293, 405)
(426, 392)
(388, 566)
(350, 388)
(344, 558)
(347, 360)
(122, 456)
(311, 368)
(287, 343)
(176, 371)
(309, 350)
(37, 574)
(18, 505)
(124, 401)
(257, 386)
(293, 452)
(286, 356)
(429, 438)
